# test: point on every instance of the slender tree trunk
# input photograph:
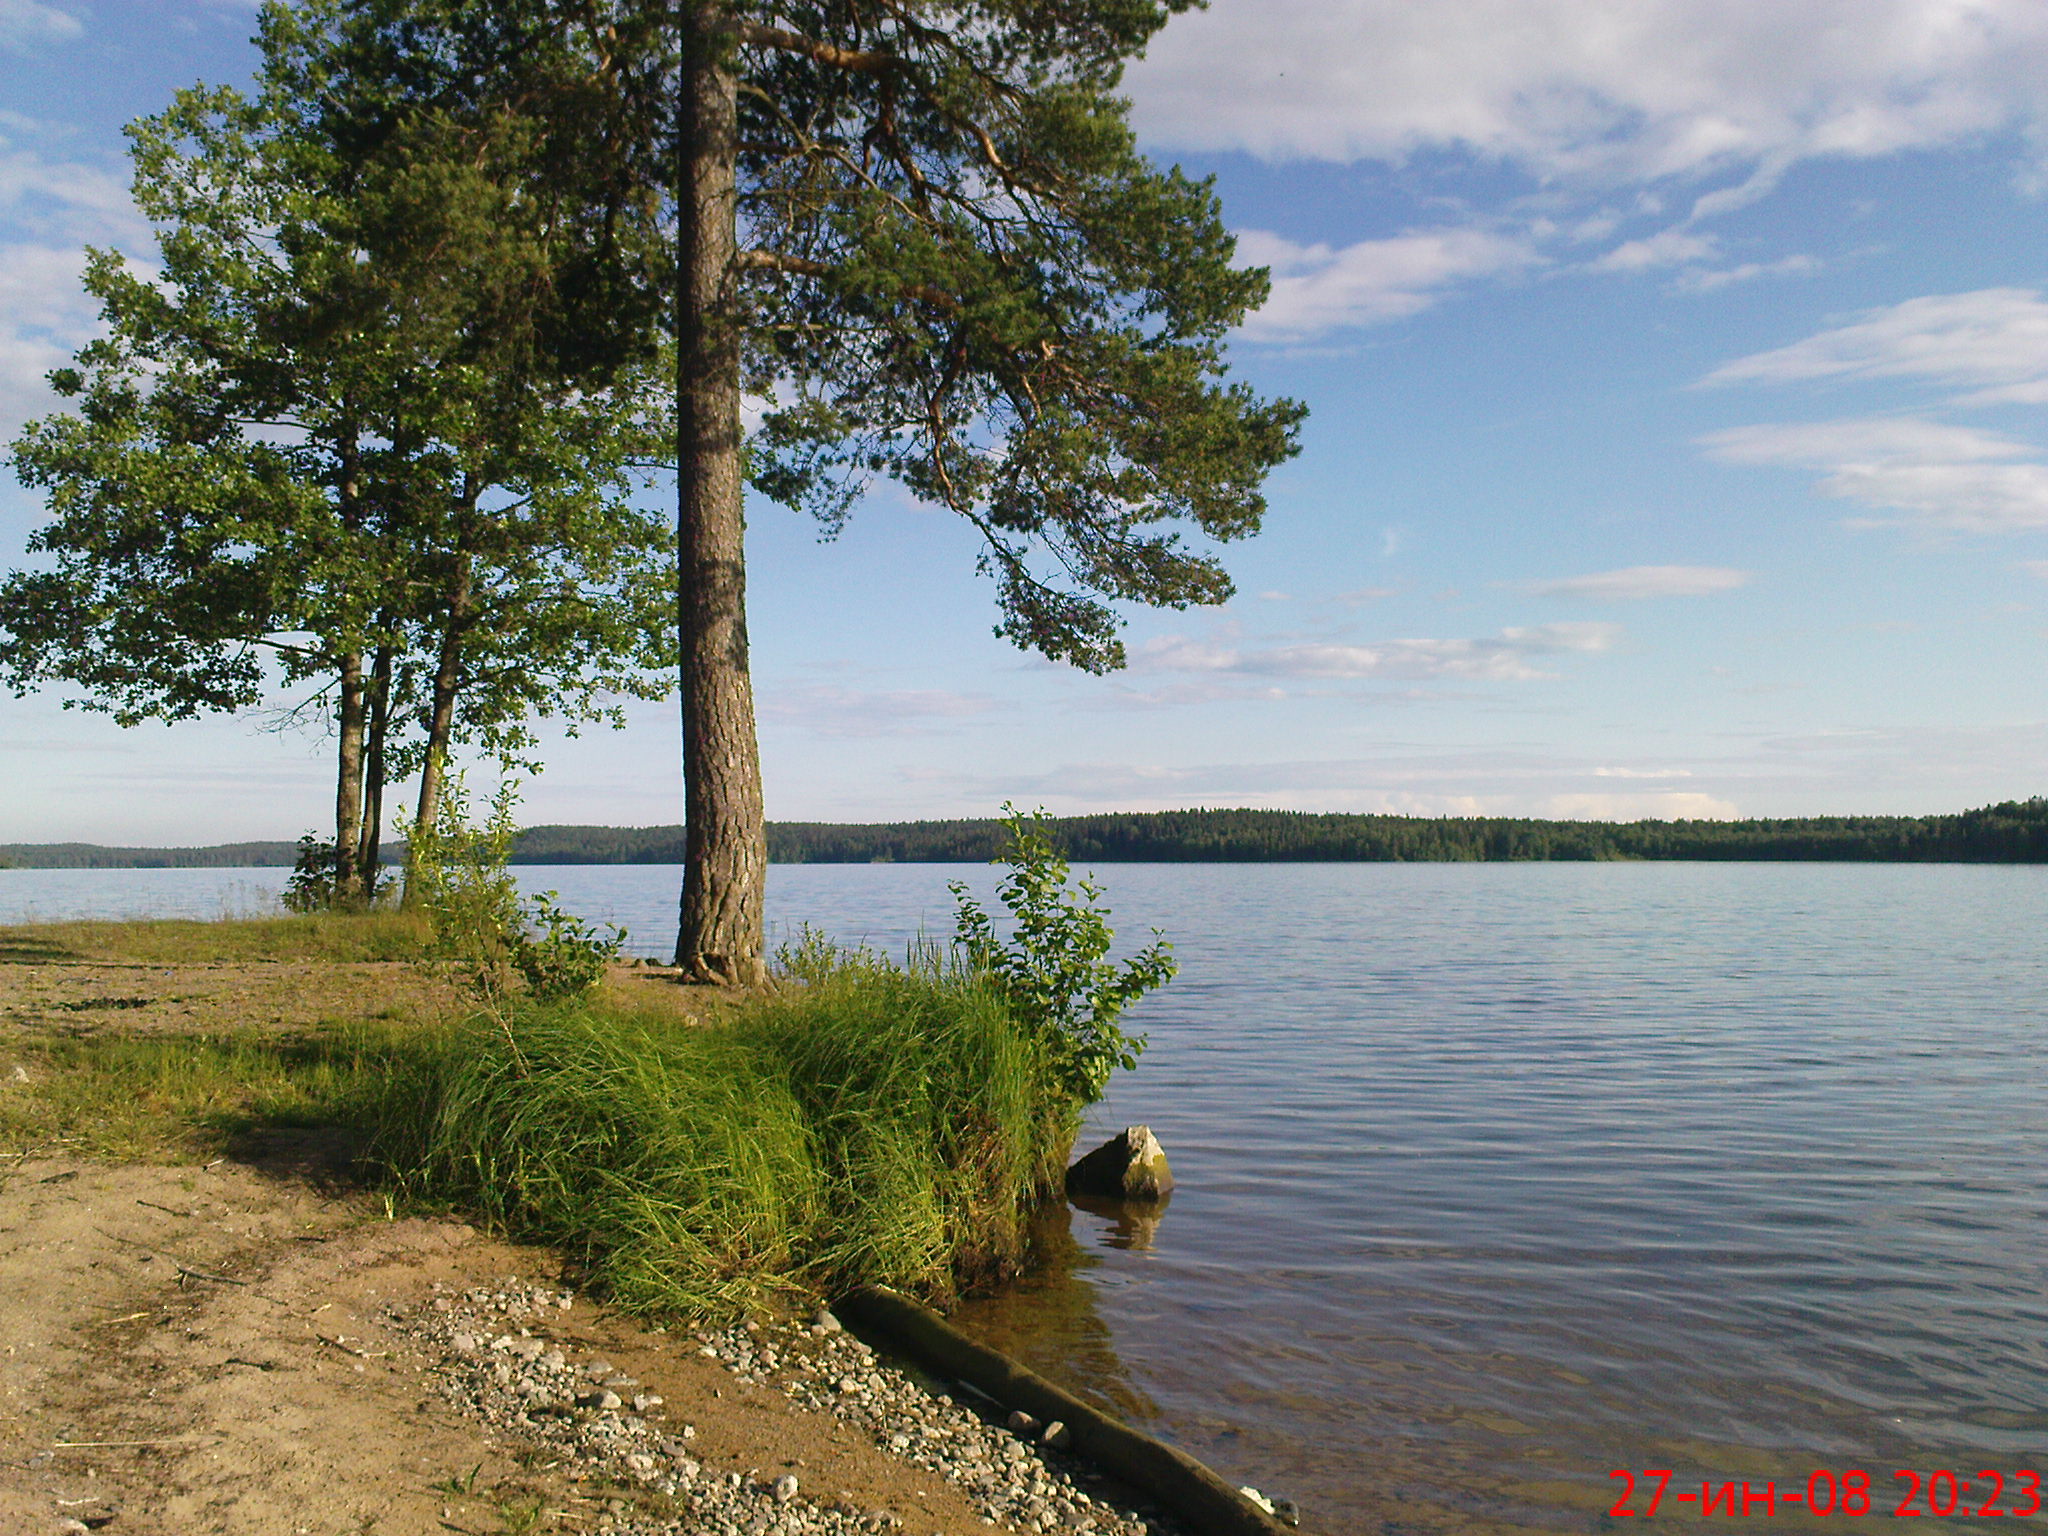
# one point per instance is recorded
(369, 859)
(725, 842)
(441, 711)
(348, 794)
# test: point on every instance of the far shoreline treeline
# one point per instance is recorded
(2013, 832)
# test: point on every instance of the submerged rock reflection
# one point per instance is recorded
(1133, 1225)
(1048, 1318)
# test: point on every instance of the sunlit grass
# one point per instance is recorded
(862, 1122)
(177, 1097)
(340, 937)
(874, 1124)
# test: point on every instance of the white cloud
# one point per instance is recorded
(1994, 341)
(1669, 248)
(51, 209)
(1507, 657)
(826, 710)
(25, 23)
(1937, 476)
(67, 199)
(1659, 805)
(1876, 439)
(1644, 581)
(1408, 780)
(1322, 288)
(1642, 773)
(1602, 91)
(2035, 568)
(1708, 280)
(44, 316)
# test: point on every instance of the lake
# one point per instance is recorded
(1495, 1178)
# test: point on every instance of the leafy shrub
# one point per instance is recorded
(1052, 969)
(563, 956)
(311, 887)
(482, 930)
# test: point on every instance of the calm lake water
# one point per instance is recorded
(1494, 1178)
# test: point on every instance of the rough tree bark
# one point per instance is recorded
(348, 790)
(441, 708)
(370, 858)
(350, 713)
(721, 936)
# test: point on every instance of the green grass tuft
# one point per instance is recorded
(875, 1124)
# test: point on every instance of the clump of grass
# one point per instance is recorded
(870, 1122)
(338, 937)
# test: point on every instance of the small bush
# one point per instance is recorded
(459, 876)
(1052, 968)
(312, 887)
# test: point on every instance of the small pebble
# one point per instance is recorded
(785, 1488)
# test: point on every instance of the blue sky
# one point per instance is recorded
(1676, 369)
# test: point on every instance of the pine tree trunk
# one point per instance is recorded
(348, 793)
(725, 840)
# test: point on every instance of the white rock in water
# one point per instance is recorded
(1258, 1498)
(1128, 1166)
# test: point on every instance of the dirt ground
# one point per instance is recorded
(210, 1350)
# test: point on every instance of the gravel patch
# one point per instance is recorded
(492, 1355)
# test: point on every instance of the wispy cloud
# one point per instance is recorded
(44, 316)
(1993, 342)
(1670, 248)
(1599, 92)
(25, 24)
(1932, 475)
(1710, 279)
(826, 710)
(1510, 656)
(52, 208)
(1657, 805)
(1404, 781)
(1637, 582)
(1319, 289)
(1358, 597)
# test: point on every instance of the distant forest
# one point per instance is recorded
(2015, 832)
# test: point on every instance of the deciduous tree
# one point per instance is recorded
(327, 443)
